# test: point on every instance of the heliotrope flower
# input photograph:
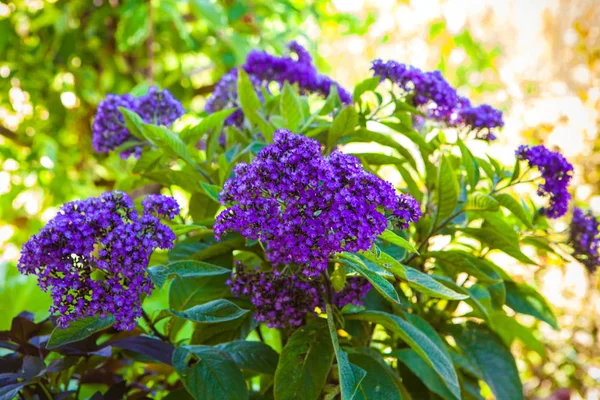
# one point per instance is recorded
(109, 130)
(280, 300)
(556, 172)
(264, 68)
(355, 290)
(305, 207)
(283, 299)
(433, 95)
(583, 237)
(93, 255)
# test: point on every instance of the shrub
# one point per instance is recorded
(297, 270)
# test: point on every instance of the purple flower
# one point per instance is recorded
(556, 172)
(305, 207)
(109, 130)
(482, 119)
(280, 300)
(430, 92)
(583, 236)
(264, 68)
(94, 254)
(355, 290)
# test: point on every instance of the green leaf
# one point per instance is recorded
(424, 372)
(344, 123)
(525, 299)
(469, 163)
(338, 278)
(78, 330)
(332, 101)
(480, 309)
(447, 191)
(290, 108)
(211, 191)
(391, 237)
(481, 202)
(182, 229)
(167, 139)
(215, 311)
(213, 122)
(184, 269)
(498, 240)
(214, 376)
(366, 136)
(512, 205)
(461, 261)
(377, 159)
(487, 352)
(425, 148)
(380, 383)
(252, 356)
(188, 292)
(414, 278)
(419, 342)
(510, 329)
(133, 27)
(133, 122)
(252, 106)
(364, 86)
(379, 283)
(350, 375)
(304, 365)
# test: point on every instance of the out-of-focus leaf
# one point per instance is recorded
(525, 299)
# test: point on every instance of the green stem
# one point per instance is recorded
(153, 328)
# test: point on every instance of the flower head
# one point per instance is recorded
(430, 92)
(556, 172)
(93, 256)
(583, 236)
(305, 207)
(109, 130)
(355, 290)
(264, 68)
(280, 300)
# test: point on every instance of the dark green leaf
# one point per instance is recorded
(304, 365)
(252, 356)
(419, 342)
(344, 123)
(78, 330)
(215, 311)
(424, 372)
(380, 383)
(184, 269)
(525, 299)
(487, 352)
(379, 282)
(214, 376)
(447, 191)
(350, 375)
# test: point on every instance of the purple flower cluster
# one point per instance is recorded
(432, 93)
(556, 172)
(109, 130)
(355, 290)
(583, 237)
(264, 68)
(280, 300)
(93, 256)
(284, 299)
(305, 207)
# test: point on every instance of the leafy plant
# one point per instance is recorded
(273, 295)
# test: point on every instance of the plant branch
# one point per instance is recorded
(14, 137)
(153, 328)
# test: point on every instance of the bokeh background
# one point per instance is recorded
(537, 60)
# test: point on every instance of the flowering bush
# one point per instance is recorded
(296, 268)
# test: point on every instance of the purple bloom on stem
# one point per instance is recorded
(583, 236)
(280, 300)
(430, 92)
(355, 290)
(264, 68)
(109, 130)
(93, 256)
(305, 207)
(556, 172)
